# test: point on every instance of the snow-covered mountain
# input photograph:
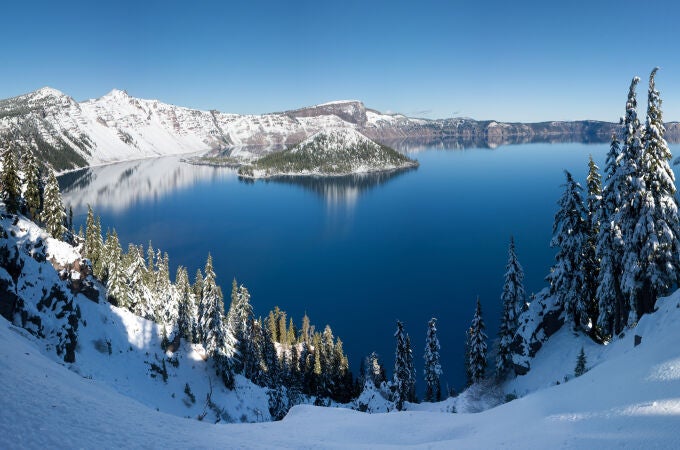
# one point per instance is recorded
(117, 127)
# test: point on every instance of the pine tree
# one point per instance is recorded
(433, 368)
(567, 277)
(270, 360)
(135, 274)
(609, 250)
(216, 339)
(401, 383)
(591, 265)
(240, 319)
(514, 301)
(656, 232)
(32, 182)
(632, 193)
(477, 347)
(11, 185)
(580, 368)
(116, 285)
(53, 214)
(411, 372)
(185, 300)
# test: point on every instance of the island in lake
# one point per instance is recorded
(329, 153)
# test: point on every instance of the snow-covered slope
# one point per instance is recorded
(630, 399)
(118, 127)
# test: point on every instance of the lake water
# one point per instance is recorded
(358, 252)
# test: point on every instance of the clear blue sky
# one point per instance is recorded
(513, 61)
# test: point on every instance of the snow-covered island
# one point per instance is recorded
(329, 153)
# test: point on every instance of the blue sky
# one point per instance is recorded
(512, 61)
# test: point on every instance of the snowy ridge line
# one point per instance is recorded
(117, 127)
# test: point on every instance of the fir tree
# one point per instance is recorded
(657, 230)
(401, 383)
(137, 291)
(567, 277)
(476, 354)
(609, 250)
(591, 265)
(53, 214)
(11, 185)
(632, 193)
(241, 326)
(186, 310)
(32, 182)
(270, 360)
(116, 284)
(514, 301)
(411, 371)
(580, 368)
(433, 368)
(216, 339)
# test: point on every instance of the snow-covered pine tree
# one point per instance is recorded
(240, 322)
(216, 339)
(567, 277)
(53, 214)
(477, 347)
(11, 185)
(657, 230)
(402, 374)
(135, 270)
(185, 304)
(433, 368)
(580, 368)
(116, 284)
(632, 194)
(32, 183)
(514, 302)
(270, 360)
(411, 371)
(591, 265)
(609, 250)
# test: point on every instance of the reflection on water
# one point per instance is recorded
(415, 145)
(341, 191)
(119, 186)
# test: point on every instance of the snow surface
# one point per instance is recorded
(630, 398)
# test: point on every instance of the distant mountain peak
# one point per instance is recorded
(47, 91)
(117, 94)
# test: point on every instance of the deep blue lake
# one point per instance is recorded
(356, 253)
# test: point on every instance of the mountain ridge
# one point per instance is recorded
(69, 134)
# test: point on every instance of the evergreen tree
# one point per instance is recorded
(477, 348)
(241, 326)
(216, 339)
(411, 371)
(375, 370)
(514, 301)
(32, 182)
(116, 285)
(53, 214)
(632, 194)
(11, 185)
(591, 265)
(305, 335)
(433, 368)
(656, 232)
(137, 292)
(401, 383)
(609, 250)
(185, 299)
(567, 277)
(580, 368)
(270, 360)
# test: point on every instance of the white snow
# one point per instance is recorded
(630, 398)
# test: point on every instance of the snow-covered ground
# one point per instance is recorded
(630, 398)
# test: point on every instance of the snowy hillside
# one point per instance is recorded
(329, 153)
(628, 399)
(117, 127)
